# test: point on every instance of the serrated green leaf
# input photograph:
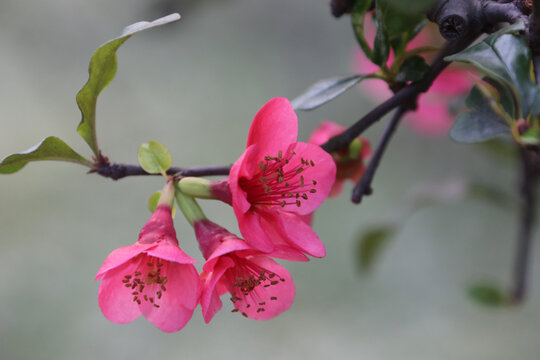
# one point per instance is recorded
(370, 245)
(412, 69)
(479, 124)
(102, 70)
(154, 158)
(153, 201)
(325, 90)
(506, 58)
(51, 148)
(487, 294)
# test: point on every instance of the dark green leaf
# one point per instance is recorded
(357, 21)
(479, 124)
(411, 6)
(506, 58)
(491, 194)
(412, 69)
(487, 294)
(370, 245)
(381, 45)
(51, 148)
(395, 21)
(101, 72)
(154, 158)
(325, 90)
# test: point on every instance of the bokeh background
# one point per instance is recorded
(195, 86)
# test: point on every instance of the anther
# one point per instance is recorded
(298, 203)
(313, 191)
(234, 310)
(304, 196)
(312, 162)
(156, 306)
(314, 182)
(244, 315)
(273, 298)
(298, 171)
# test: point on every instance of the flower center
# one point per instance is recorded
(147, 282)
(280, 181)
(247, 282)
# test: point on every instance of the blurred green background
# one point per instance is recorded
(195, 86)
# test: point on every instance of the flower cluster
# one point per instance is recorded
(271, 187)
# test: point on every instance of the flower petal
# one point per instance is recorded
(299, 234)
(242, 168)
(276, 298)
(228, 246)
(114, 298)
(178, 302)
(318, 177)
(274, 127)
(120, 256)
(251, 229)
(169, 252)
(210, 301)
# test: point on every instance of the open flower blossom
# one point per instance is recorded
(349, 162)
(432, 116)
(152, 277)
(276, 181)
(259, 287)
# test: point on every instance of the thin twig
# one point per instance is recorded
(117, 171)
(364, 185)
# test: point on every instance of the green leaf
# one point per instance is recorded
(101, 71)
(491, 194)
(153, 201)
(411, 6)
(396, 21)
(506, 58)
(381, 46)
(412, 69)
(357, 21)
(479, 124)
(154, 158)
(325, 90)
(370, 245)
(51, 148)
(487, 294)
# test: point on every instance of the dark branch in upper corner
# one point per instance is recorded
(117, 171)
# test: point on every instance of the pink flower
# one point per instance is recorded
(152, 277)
(349, 165)
(260, 288)
(276, 181)
(432, 116)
